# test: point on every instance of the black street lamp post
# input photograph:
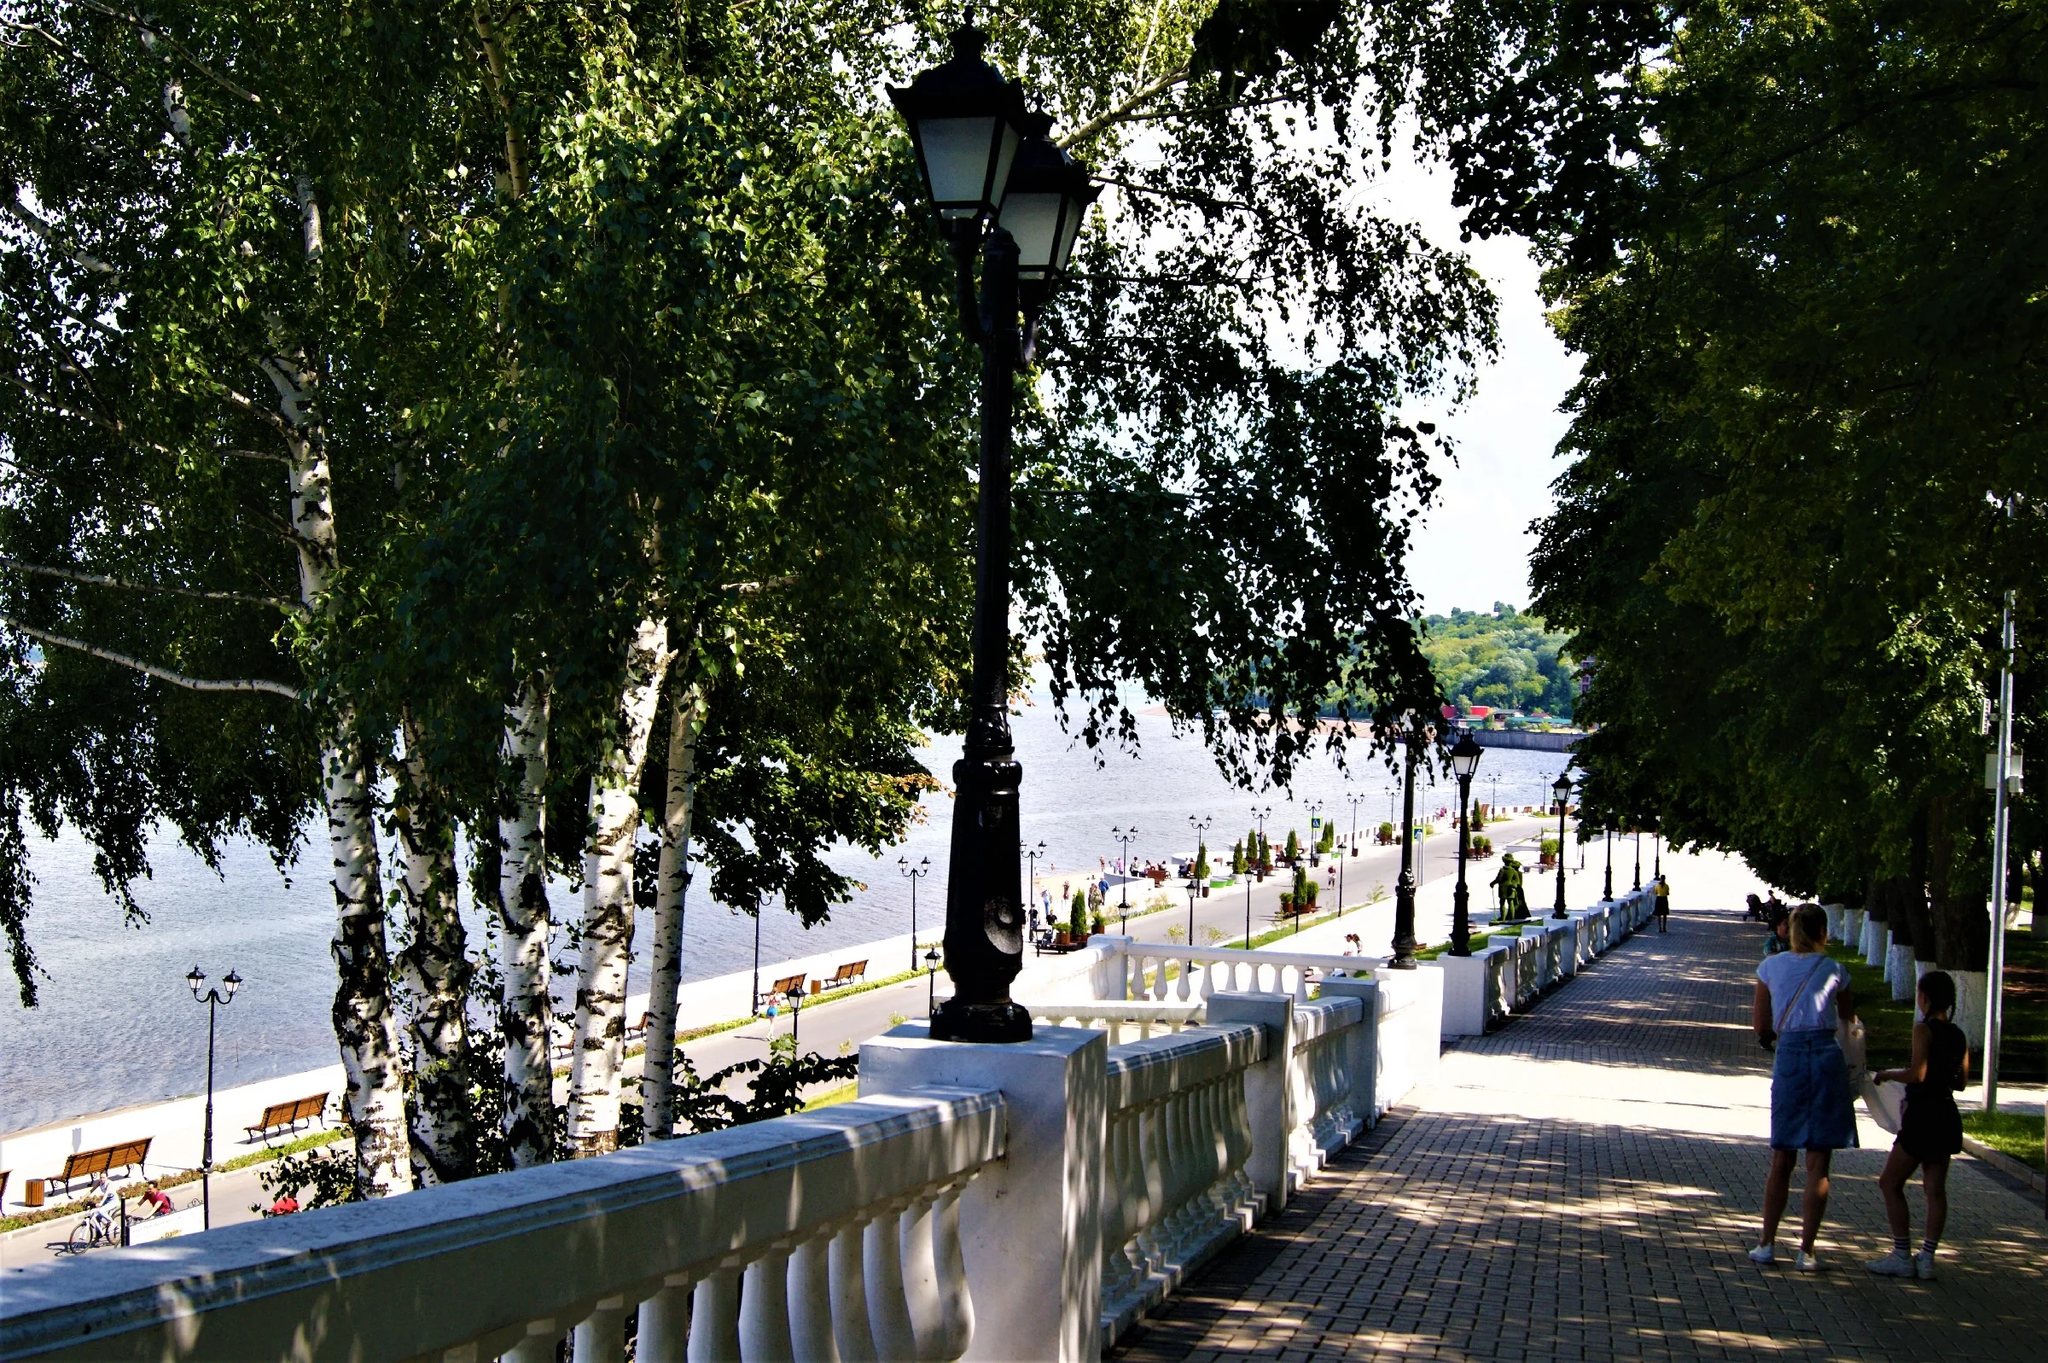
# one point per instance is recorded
(1607, 889)
(1005, 193)
(1465, 755)
(1258, 858)
(1194, 889)
(795, 999)
(1201, 827)
(1404, 884)
(1315, 833)
(1031, 890)
(914, 874)
(931, 980)
(1639, 858)
(1126, 836)
(214, 1001)
(1354, 800)
(1562, 789)
(1657, 849)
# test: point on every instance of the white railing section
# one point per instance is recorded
(1182, 974)
(1133, 1020)
(1326, 1119)
(1178, 1138)
(832, 1234)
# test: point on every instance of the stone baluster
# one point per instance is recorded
(601, 1337)
(921, 1277)
(810, 1302)
(764, 1310)
(956, 1304)
(850, 1330)
(539, 1346)
(715, 1317)
(888, 1314)
(1152, 1156)
(664, 1335)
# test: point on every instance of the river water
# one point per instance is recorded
(117, 1026)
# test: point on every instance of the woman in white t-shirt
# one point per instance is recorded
(1800, 996)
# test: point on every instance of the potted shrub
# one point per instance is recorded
(1287, 903)
(1548, 851)
(1386, 834)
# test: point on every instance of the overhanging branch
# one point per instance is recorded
(190, 593)
(242, 684)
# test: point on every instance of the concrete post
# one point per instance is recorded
(1031, 1224)
(1268, 1096)
(1364, 1059)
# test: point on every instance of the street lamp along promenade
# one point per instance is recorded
(1465, 754)
(1404, 885)
(1125, 836)
(1562, 789)
(1005, 193)
(214, 1001)
(914, 874)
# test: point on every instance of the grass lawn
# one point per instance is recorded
(1888, 1025)
(2016, 1134)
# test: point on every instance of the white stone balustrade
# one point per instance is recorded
(828, 1234)
(1507, 975)
(1181, 973)
(1131, 1020)
(1025, 1201)
(1178, 1140)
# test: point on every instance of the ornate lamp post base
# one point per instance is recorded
(953, 1020)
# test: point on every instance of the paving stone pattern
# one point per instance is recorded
(1584, 1184)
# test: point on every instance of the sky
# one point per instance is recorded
(1473, 549)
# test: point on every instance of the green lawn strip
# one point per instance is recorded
(1477, 941)
(2017, 1134)
(845, 1093)
(1888, 1023)
(312, 1140)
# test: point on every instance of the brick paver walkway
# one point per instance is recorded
(1583, 1185)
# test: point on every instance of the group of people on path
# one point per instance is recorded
(1803, 1005)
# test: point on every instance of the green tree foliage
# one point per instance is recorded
(1506, 659)
(1801, 263)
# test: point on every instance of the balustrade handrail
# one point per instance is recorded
(1319, 1017)
(1141, 1071)
(1359, 965)
(484, 1265)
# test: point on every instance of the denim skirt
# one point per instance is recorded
(1810, 1104)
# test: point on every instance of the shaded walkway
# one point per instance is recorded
(1583, 1185)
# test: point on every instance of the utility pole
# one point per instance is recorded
(1994, 974)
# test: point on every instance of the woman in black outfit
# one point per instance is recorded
(1930, 1131)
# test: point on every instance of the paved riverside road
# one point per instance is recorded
(1584, 1183)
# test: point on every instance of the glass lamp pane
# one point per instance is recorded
(956, 161)
(1006, 156)
(1034, 220)
(1069, 231)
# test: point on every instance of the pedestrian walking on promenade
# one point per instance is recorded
(1801, 997)
(1930, 1131)
(1663, 888)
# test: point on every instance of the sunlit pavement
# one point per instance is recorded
(1584, 1185)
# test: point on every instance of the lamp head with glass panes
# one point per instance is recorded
(1047, 199)
(1465, 754)
(966, 123)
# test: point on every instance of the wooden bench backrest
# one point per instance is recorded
(858, 968)
(277, 1114)
(311, 1106)
(130, 1152)
(786, 984)
(85, 1162)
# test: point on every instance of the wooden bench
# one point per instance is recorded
(850, 973)
(287, 1115)
(101, 1162)
(781, 989)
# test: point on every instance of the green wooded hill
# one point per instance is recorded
(1507, 658)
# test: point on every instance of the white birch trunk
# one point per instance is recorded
(526, 1010)
(688, 711)
(433, 976)
(608, 901)
(365, 1027)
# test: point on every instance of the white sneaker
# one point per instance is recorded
(1893, 1265)
(1764, 1255)
(1808, 1261)
(1923, 1265)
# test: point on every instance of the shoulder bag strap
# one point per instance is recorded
(1804, 981)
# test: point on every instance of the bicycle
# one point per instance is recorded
(100, 1226)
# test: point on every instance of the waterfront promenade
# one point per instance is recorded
(1584, 1183)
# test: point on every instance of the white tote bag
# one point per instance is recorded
(1886, 1103)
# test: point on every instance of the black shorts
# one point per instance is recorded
(1931, 1128)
